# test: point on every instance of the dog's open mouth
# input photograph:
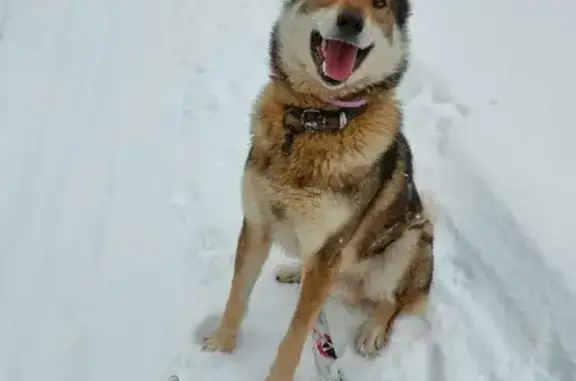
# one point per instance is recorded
(336, 60)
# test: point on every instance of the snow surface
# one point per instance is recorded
(123, 130)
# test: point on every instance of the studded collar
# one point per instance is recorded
(298, 120)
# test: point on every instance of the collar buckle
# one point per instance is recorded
(313, 119)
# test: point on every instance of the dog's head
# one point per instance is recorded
(340, 45)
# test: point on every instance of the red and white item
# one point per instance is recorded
(325, 355)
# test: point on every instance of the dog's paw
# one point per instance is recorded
(371, 338)
(288, 274)
(219, 341)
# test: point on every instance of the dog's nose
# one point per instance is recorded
(350, 22)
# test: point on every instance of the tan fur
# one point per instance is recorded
(346, 205)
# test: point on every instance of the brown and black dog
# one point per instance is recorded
(329, 176)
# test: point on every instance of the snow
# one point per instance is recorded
(123, 130)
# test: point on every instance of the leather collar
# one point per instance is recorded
(298, 120)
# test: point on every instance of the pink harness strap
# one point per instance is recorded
(347, 104)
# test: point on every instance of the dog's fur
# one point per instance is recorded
(343, 202)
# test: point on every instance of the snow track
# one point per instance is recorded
(119, 206)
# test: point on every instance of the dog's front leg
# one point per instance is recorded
(252, 250)
(318, 274)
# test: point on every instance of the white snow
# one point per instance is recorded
(123, 131)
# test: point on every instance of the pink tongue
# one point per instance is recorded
(340, 58)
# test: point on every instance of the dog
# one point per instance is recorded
(329, 176)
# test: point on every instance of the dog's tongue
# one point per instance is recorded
(339, 59)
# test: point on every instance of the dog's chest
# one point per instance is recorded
(301, 219)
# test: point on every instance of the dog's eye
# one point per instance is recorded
(379, 3)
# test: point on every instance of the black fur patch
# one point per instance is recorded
(384, 168)
(278, 210)
(249, 156)
(388, 162)
(406, 151)
(288, 3)
(428, 285)
(414, 205)
(426, 239)
(402, 10)
(274, 52)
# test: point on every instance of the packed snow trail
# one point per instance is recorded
(123, 131)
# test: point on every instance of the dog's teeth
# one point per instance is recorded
(324, 67)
